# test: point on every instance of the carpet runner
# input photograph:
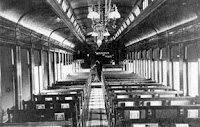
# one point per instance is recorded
(97, 113)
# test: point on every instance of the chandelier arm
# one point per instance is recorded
(106, 8)
(109, 6)
(99, 7)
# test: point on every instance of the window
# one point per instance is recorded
(160, 72)
(120, 31)
(176, 75)
(152, 70)
(145, 4)
(192, 65)
(128, 21)
(137, 11)
(146, 69)
(164, 74)
(174, 67)
(59, 1)
(185, 79)
(69, 13)
(163, 66)
(193, 78)
(149, 68)
(72, 19)
(38, 73)
(77, 28)
(124, 25)
(64, 6)
(170, 73)
(131, 16)
(75, 23)
(156, 71)
(122, 28)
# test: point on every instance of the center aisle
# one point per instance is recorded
(97, 112)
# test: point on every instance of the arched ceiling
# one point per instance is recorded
(48, 18)
(38, 16)
(171, 14)
(44, 17)
(81, 10)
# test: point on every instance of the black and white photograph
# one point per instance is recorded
(99, 63)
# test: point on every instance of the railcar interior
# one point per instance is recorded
(100, 63)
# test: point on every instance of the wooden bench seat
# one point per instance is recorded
(56, 97)
(147, 94)
(71, 82)
(41, 115)
(131, 81)
(153, 88)
(127, 77)
(62, 91)
(39, 124)
(78, 99)
(58, 86)
(128, 84)
(48, 108)
(170, 101)
(157, 114)
(51, 105)
(133, 101)
(59, 104)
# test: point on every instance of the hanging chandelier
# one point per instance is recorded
(100, 18)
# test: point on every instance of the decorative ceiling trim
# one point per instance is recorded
(139, 16)
(57, 8)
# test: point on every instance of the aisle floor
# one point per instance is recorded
(97, 113)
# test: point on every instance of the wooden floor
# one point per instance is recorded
(97, 114)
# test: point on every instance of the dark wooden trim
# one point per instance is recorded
(32, 72)
(181, 63)
(56, 7)
(168, 60)
(1, 111)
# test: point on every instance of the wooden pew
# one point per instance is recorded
(133, 101)
(72, 88)
(129, 84)
(41, 115)
(77, 99)
(71, 82)
(136, 88)
(152, 93)
(66, 87)
(110, 67)
(130, 80)
(156, 114)
(167, 101)
(62, 91)
(38, 124)
(52, 105)
(45, 110)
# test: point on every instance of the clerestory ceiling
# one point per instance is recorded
(81, 10)
(48, 18)
(66, 20)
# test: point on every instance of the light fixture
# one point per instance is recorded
(99, 42)
(101, 18)
(106, 33)
(92, 14)
(94, 34)
(114, 14)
